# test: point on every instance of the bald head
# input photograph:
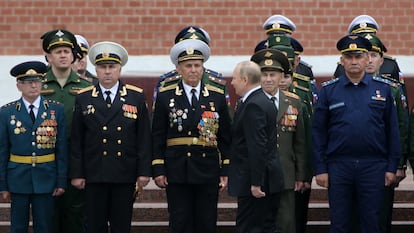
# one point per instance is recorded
(246, 76)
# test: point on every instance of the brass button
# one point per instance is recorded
(105, 128)
(189, 133)
(34, 154)
(105, 153)
(119, 128)
(188, 154)
(119, 142)
(104, 140)
(119, 153)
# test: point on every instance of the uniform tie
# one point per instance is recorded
(194, 99)
(32, 115)
(274, 100)
(108, 99)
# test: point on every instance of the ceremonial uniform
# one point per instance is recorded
(111, 143)
(33, 154)
(69, 208)
(355, 161)
(191, 140)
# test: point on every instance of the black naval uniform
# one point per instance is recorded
(111, 148)
(191, 148)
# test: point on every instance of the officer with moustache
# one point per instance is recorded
(111, 142)
(191, 139)
(33, 152)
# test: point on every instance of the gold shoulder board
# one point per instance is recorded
(85, 89)
(134, 88)
(290, 94)
(213, 88)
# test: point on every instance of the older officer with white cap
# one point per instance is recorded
(81, 63)
(111, 142)
(33, 152)
(191, 139)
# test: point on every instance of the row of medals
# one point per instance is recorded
(177, 117)
(46, 134)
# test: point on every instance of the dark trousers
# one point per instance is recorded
(69, 215)
(301, 213)
(192, 207)
(109, 203)
(42, 212)
(257, 215)
(363, 180)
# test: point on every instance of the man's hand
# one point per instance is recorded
(299, 186)
(390, 178)
(400, 175)
(79, 183)
(257, 191)
(161, 181)
(58, 192)
(322, 180)
(6, 196)
(223, 183)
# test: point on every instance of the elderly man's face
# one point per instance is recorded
(191, 71)
(355, 63)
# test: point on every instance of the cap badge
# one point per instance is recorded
(60, 39)
(268, 54)
(105, 54)
(276, 25)
(31, 72)
(268, 62)
(191, 30)
(59, 33)
(353, 46)
(353, 37)
(363, 25)
(368, 36)
(189, 51)
(193, 36)
(277, 39)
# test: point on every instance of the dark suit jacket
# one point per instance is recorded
(110, 145)
(255, 159)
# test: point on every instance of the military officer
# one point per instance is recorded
(111, 142)
(191, 139)
(351, 162)
(61, 83)
(210, 77)
(389, 68)
(290, 132)
(33, 151)
(81, 63)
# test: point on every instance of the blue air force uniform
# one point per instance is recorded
(33, 155)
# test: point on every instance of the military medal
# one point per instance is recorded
(18, 123)
(13, 119)
(171, 103)
(16, 131)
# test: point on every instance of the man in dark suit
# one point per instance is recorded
(255, 173)
(290, 131)
(33, 152)
(111, 142)
(191, 142)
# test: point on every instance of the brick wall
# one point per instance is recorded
(149, 26)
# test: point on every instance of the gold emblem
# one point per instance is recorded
(268, 62)
(277, 39)
(189, 51)
(191, 30)
(31, 72)
(105, 54)
(268, 54)
(353, 46)
(276, 25)
(363, 25)
(16, 131)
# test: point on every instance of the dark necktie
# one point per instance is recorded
(193, 98)
(32, 115)
(274, 101)
(108, 99)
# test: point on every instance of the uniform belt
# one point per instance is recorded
(32, 159)
(189, 141)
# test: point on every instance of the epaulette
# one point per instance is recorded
(52, 101)
(46, 91)
(305, 64)
(329, 82)
(213, 73)
(10, 104)
(386, 81)
(301, 77)
(219, 81)
(292, 95)
(172, 73)
(389, 57)
(85, 89)
(75, 90)
(301, 88)
(213, 88)
(162, 89)
(386, 77)
(134, 88)
(171, 79)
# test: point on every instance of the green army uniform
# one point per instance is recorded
(68, 216)
(69, 208)
(304, 82)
